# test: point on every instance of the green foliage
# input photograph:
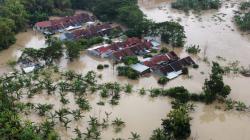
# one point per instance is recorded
(163, 80)
(159, 134)
(193, 49)
(72, 50)
(50, 53)
(128, 88)
(130, 60)
(243, 21)
(196, 4)
(164, 50)
(171, 33)
(14, 10)
(215, 87)
(177, 124)
(83, 104)
(128, 72)
(245, 5)
(7, 37)
(100, 67)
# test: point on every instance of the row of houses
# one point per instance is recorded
(168, 65)
(118, 50)
(91, 31)
(65, 23)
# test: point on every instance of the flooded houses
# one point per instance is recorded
(118, 50)
(168, 64)
(63, 24)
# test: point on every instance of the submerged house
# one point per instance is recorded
(89, 32)
(141, 69)
(174, 69)
(118, 50)
(65, 23)
(132, 46)
(162, 59)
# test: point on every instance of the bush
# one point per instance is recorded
(243, 21)
(195, 66)
(163, 80)
(106, 65)
(164, 50)
(130, 60)
(100, 67)
(154, 51)
(196, 4)
(193, 49)
(179, 93)
(128, 72)
(147, 55)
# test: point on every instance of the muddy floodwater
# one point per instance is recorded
(216, 34)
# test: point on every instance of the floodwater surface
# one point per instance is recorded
(216, 34)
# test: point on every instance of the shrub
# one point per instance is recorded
(129, 60)
(100, 67)
(193, 49)
(163, 80)
(196, 4)
(164, 50)
(106, 65)
(128, 72)
(195, 66)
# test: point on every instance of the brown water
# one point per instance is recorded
(28, 39)
(143, 114)
(218, 38)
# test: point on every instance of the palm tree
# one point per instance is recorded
(62, 113)
(118, 122)
(78, 133)
(128, 88)
(83, 104)
(43, 108)
(90, 78)
(65, 122)
(77, 114)
(63, 100)
(135, 136)
(47, 127)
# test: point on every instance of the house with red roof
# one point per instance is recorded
(65, 23)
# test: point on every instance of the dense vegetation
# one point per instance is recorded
(196, 4)
(242, 18)
(25, 12)
(127, 72)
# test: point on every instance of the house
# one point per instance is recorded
(65, 23)
(174, 69)
(103, 51)
(156, 61)
(155, 42)
(131, 47)
(89, 32)
(140, 68)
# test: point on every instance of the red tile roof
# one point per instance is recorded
(43, 24)
(103, 49)
(65, 21)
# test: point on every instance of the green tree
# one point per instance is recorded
(214, 86)
(14, 9)
(6, 33)
(73, 50)
(177, 124)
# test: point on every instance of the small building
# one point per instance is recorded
(103, 51)
(140, 68)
